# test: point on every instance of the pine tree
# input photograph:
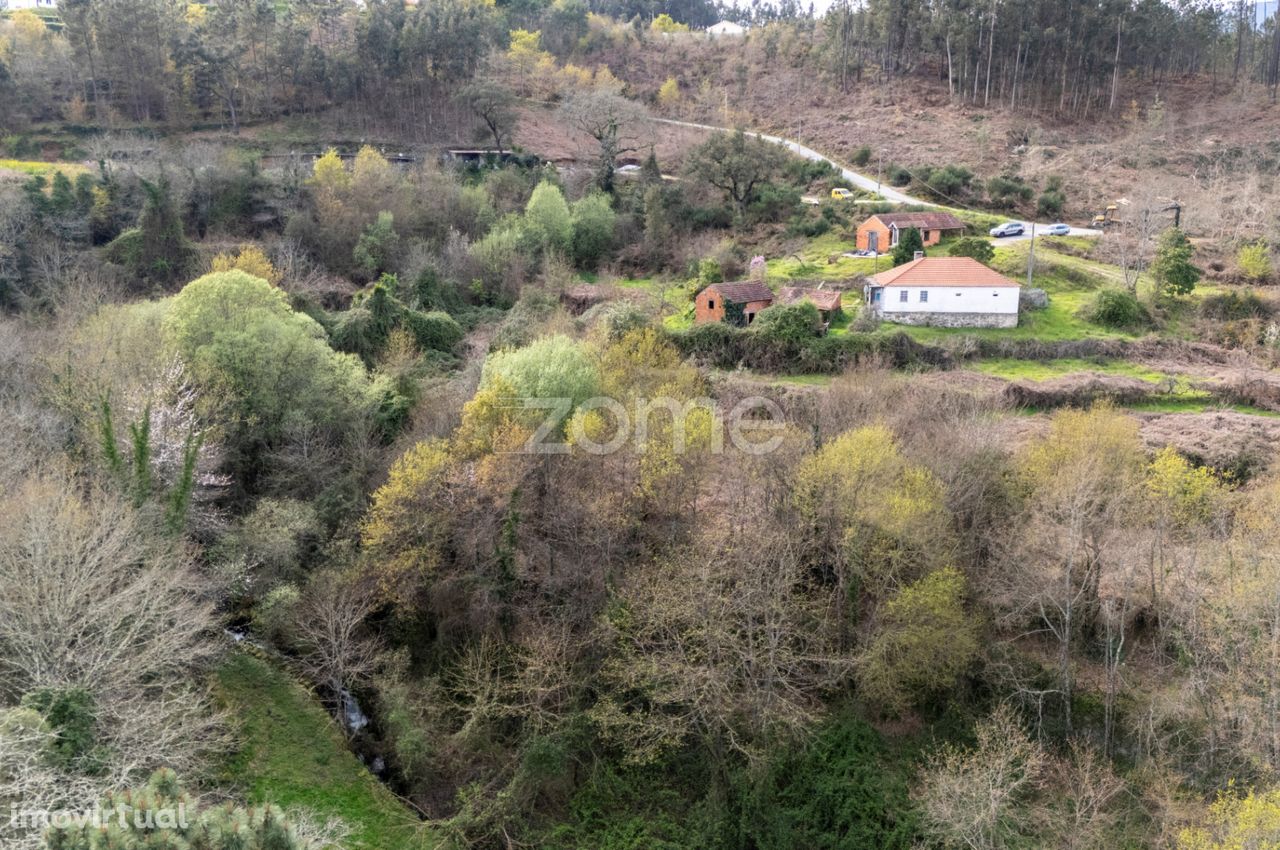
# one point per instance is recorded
(162, 815)
(908, 244)
(1173, 270)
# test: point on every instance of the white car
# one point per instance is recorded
(1009, 228)
(1058, 229)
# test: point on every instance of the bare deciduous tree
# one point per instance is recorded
(972, 798)
(338, 651)
(617, 125)
(95, 600)
(725, 644)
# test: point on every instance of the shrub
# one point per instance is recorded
(803, 224)
(1118, 309)
(975, 247)
(862, 155)
(1052, 199)
(947, 181)
(793, 323)
(709, 272)
(1255, 261)
(1233, 306)
(552, 367)
(1008, 191)
(898, 176)
(435, 330)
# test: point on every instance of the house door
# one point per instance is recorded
(873, 242)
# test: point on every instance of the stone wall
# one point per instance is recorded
(953, 320)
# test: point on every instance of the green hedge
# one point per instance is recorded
(725, 347)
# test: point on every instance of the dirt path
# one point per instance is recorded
(862, 181)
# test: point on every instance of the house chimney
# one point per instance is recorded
(919, 255)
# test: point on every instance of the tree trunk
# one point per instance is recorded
(1115, 68)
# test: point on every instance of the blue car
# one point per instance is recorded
(1058, 229)
(1009, 228)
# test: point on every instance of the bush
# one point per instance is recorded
(433, 331)
(1008, 191)
(1052, 200)
(947, 181)
(975, 247)
(1255, 261)
(1117, 309)
(898, 176)
(552, 367)
(709, 272)
(803, 224)
(793, 323)
(862, 155)
(1233, 306)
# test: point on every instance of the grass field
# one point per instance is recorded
(48, 169)
(1044, 370)
(294, 755)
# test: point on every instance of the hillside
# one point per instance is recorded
(417, 435)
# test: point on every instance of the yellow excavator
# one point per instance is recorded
(1110, 216)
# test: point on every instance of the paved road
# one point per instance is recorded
(866, 183)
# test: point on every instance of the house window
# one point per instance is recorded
(924, 295)
(902, 296)
(926, 236)
(711, 304)
(751, 317)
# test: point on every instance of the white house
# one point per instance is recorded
(14, 5)
(952, 292)
(726, 28)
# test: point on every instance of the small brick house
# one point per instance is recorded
(753, 296)
(880, 232)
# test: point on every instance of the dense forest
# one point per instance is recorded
(364, 494)
(176, 64)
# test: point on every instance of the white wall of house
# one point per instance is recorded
(949, 299)
(14, 5)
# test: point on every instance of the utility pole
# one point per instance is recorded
(1031, 255)
(879, 169)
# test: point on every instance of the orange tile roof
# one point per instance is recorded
(942, 271)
